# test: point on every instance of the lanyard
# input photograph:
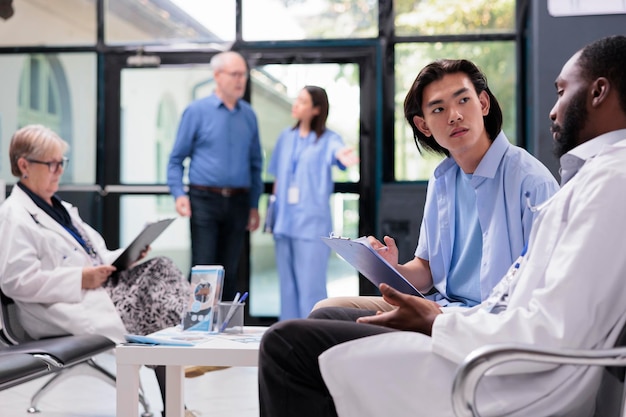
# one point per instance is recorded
(499, 297)
(299, 145)
(521, 256)
(82, 242)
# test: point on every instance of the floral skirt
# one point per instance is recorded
(150, 296)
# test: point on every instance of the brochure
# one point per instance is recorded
(206, 283)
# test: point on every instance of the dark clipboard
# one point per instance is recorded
(360, 254)
(143, 240)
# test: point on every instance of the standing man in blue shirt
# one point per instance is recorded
(220, 135)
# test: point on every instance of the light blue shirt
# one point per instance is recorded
(304, 163)
(223, 145)
(464, 282)
(501, 180)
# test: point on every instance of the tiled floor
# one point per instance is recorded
(226, 393)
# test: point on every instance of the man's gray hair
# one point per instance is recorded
(218, 61)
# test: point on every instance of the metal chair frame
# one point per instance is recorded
(474, 367)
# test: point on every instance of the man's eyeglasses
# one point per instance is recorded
(236, 74)
(53, 166)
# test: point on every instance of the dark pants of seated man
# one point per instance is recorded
(290, 382)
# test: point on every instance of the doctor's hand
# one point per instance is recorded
(143, 253)
(347, 156)
(95, 276)
(183, 207)
(388, 250)
(413, 313)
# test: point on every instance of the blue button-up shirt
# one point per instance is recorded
(223, 145)
(501, 180)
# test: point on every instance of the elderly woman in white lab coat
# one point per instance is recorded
(57, 268)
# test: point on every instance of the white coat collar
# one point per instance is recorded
(572, 161)
(39, 216)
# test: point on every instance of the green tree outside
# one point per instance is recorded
(495, 58)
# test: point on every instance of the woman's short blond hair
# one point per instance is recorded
(35, 142)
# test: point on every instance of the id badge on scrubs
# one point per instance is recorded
(293, 195)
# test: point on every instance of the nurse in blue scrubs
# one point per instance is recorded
(302, 164)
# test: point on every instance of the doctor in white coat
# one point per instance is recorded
(563, 292)
(56, 267)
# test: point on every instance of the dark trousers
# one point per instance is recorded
(218, 231)
(290, 382)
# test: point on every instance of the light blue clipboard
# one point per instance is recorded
(360, 254)
(150, 340)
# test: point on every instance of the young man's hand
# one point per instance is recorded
(388, 250)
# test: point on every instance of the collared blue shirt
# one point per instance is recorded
(305, 163)
(223, 145)
(501, 180)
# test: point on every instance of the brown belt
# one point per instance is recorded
(223, 191)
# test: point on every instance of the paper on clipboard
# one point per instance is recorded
(360, 254)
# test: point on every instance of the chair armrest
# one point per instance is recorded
(477, 363)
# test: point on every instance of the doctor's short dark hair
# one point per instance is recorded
(606, 57)
(435, 71)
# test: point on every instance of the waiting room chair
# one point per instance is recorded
(70, 355)
(610, 400)
(17, 368)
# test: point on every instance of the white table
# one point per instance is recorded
(217, 350)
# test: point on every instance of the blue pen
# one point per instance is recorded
(243, 297)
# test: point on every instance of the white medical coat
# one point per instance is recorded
(41, 269)
(557, 300)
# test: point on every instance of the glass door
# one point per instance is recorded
(274, 88)
(141, 128)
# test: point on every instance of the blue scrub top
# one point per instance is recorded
(305, 163)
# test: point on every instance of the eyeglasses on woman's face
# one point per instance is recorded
(53, 166)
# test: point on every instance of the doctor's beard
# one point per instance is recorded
(575, 118)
